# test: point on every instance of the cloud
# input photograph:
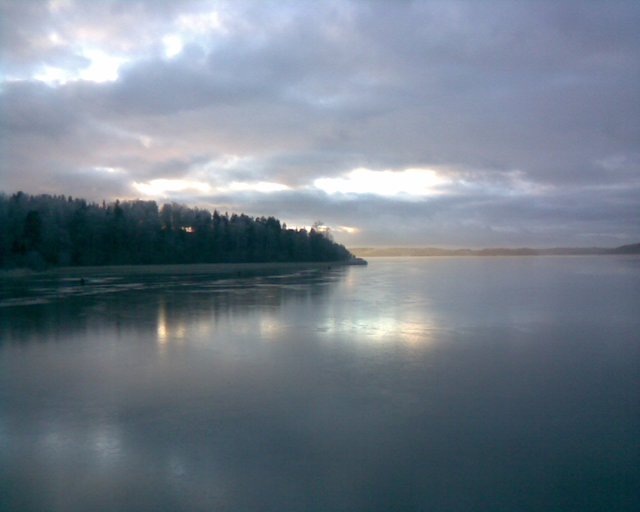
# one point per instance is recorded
(408, 183)
(526, 112)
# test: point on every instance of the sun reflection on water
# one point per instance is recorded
(169, 331)
(106, 443)
(381, 329)
(253, 315)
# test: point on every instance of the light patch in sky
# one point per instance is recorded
(110, 170)
(103, 68)
(160, 187)
(201, 23)
(58, 5)
(511, 183)
(189, 27)
(412, 182)
(173, 45)
(51, 75)
(56, 39)
(261, 186)
(346, 229)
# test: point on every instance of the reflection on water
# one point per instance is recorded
(431, 384)
(402, 328)
(195, 304)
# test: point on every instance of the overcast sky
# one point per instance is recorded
(424, 123)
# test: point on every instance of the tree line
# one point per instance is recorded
(48, 231)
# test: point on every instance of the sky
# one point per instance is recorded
(394, 123)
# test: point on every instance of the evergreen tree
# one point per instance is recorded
(44, 231)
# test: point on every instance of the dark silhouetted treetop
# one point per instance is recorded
(45, 231)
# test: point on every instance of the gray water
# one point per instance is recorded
(435, 384)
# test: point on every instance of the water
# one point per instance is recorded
(436, 384)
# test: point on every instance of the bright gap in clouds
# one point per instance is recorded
(189, 27)
(173, 45)
(160, 187)
(411, 182)
(262, 186)
(103, 68)
(201, 22)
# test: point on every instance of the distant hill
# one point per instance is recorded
(369, 252)
(364, 252)
(627, 249)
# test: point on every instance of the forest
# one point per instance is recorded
(43, 231)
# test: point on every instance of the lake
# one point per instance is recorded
(435, 384)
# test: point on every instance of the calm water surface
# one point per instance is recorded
(435, 384)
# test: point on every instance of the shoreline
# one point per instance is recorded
(421, 252)
(178, 269)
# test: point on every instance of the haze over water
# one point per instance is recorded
(436, 384)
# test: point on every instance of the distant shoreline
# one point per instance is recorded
(372, 252)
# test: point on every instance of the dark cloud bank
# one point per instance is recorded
(527, 111)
